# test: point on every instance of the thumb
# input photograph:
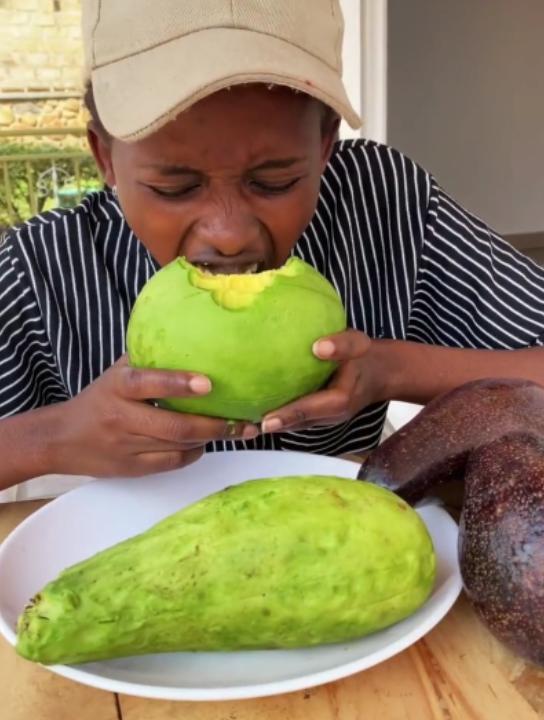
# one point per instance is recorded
(348, 345)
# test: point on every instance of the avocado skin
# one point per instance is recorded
(488, 435)
(501, 541)
(434, 447)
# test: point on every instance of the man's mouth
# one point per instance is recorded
(231, 269)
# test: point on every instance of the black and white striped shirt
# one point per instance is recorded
(408, 262)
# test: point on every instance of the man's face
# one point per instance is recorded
(232, 182)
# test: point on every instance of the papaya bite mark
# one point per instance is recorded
(236, 291)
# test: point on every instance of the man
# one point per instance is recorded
(215, 125)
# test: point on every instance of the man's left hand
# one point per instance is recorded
(353, 386)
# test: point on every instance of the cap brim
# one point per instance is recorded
(138, 95)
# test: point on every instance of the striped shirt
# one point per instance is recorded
(408, 262)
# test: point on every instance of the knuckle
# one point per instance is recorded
(173, 384)
(361, 346)
(177, 428)
(169, 385)
(174, 460)
(110, 416)
(151, 463)
(340, 406)
(338, 400)
(130, 380)
(298, 416)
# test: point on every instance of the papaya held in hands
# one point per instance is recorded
(339, 559)
(348, 392)
(251, 335)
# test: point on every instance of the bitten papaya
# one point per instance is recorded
(251, 334)
(267, 564)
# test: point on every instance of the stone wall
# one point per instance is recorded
(61, 115)
(40, 51)
(40, 45)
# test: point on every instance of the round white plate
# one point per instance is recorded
(102, 513)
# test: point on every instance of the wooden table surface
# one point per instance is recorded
(457, 672)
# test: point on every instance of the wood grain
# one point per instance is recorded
(457, 672)
(28, 691)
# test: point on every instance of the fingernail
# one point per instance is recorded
(323, 348)
(250, 432)
(200, 385)
(271, 425)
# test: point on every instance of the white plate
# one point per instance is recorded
(102, 513)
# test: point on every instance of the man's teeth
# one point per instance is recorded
(251, 269)
(246, 269)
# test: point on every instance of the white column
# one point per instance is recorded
(374, 69)
(351, 58)
(365, 65)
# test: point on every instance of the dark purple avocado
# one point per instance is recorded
(501, 541)
(489, 434)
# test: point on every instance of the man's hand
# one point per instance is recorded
(110, 430)
(373, 371)
(353, 386)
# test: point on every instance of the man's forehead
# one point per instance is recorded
(167, 168)
(245, 124)
(254, 96)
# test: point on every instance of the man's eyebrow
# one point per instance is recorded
(176, 170)
(279, 164)
(173, 170)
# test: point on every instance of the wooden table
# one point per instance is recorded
(457, 672)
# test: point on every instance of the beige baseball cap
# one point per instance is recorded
(149, 61)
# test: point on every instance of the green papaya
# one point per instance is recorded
(252, 335)
(268, 564)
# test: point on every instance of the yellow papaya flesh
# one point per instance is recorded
(268, 564)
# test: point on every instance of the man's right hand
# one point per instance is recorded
(109, 430)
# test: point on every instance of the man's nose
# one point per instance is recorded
(224, 235)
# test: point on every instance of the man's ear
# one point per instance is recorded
(101, 150)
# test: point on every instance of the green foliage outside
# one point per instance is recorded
(20, 198)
